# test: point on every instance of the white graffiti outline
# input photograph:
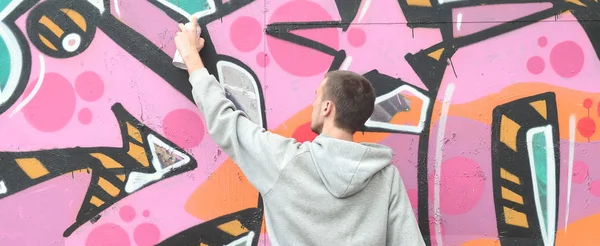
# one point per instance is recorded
(548, 233)
(404, 128)
(137, 180)
(211, 10)
(221, 65)
(35, 90)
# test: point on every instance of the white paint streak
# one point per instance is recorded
(450, 1)
(3, 188)
(438, 162)
(346, 64)
(35, 90)
(117, 9)
(458, 21)
(364, 9)
(572, 124)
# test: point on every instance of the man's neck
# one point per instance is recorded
(338, 133)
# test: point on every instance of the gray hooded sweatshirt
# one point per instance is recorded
(324, 192)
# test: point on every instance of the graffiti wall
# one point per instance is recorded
(491, 108)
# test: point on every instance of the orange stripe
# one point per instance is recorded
(134, 133)
(481, 109)
(52, 26)
(32, 167)
(47, 42)
(96, 201)
(106, 161)
(108, 187)
(76, 17)
(138, 153)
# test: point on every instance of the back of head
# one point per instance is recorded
(353, 97)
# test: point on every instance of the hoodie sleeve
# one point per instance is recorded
(402, 224)
(260, 154)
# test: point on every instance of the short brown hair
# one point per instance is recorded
(353, 97)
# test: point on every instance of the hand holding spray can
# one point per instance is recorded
(177, 59)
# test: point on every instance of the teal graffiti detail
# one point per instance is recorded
(191, 6)
(3, 4)
(541, 173)
(5, 61)
(4, 64)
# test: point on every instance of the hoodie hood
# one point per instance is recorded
(347, 167)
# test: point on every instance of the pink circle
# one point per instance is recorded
(127, 213)
(53, 105)
(85, 116)
(184, 127)
(566, 59)
(356, 37)
(413, 197)
(542, 41)
(245, 33)
(595, 187)
(580, 172)
(146, 213)
(107, 234)
(299, 60)
(462, 184)
(262, 59)
(535, 65)
(89, 86)
(146, 234)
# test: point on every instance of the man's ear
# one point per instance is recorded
(327, 108)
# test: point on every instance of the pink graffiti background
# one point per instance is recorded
(72, 108)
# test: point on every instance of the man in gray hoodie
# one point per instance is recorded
(331, 191)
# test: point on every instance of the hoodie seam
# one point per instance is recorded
(354, 174)
(283, 169)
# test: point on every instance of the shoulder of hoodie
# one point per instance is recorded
(390, 173)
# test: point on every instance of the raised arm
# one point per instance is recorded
(260, 154)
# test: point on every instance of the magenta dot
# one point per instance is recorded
(245, 33)
(587, 103)
(146, 213)
(127, 213)
(107, 234)
(85, 116)
(89, 86)
(595, 187)
(413, 196)
(535, 65)
(566, 59)
(53, 106)
(580, 172)
(299, 60)
(184, 127)
(461, 185)
(146, 234)
(262, 59)
(356, 37)
(542, 41)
